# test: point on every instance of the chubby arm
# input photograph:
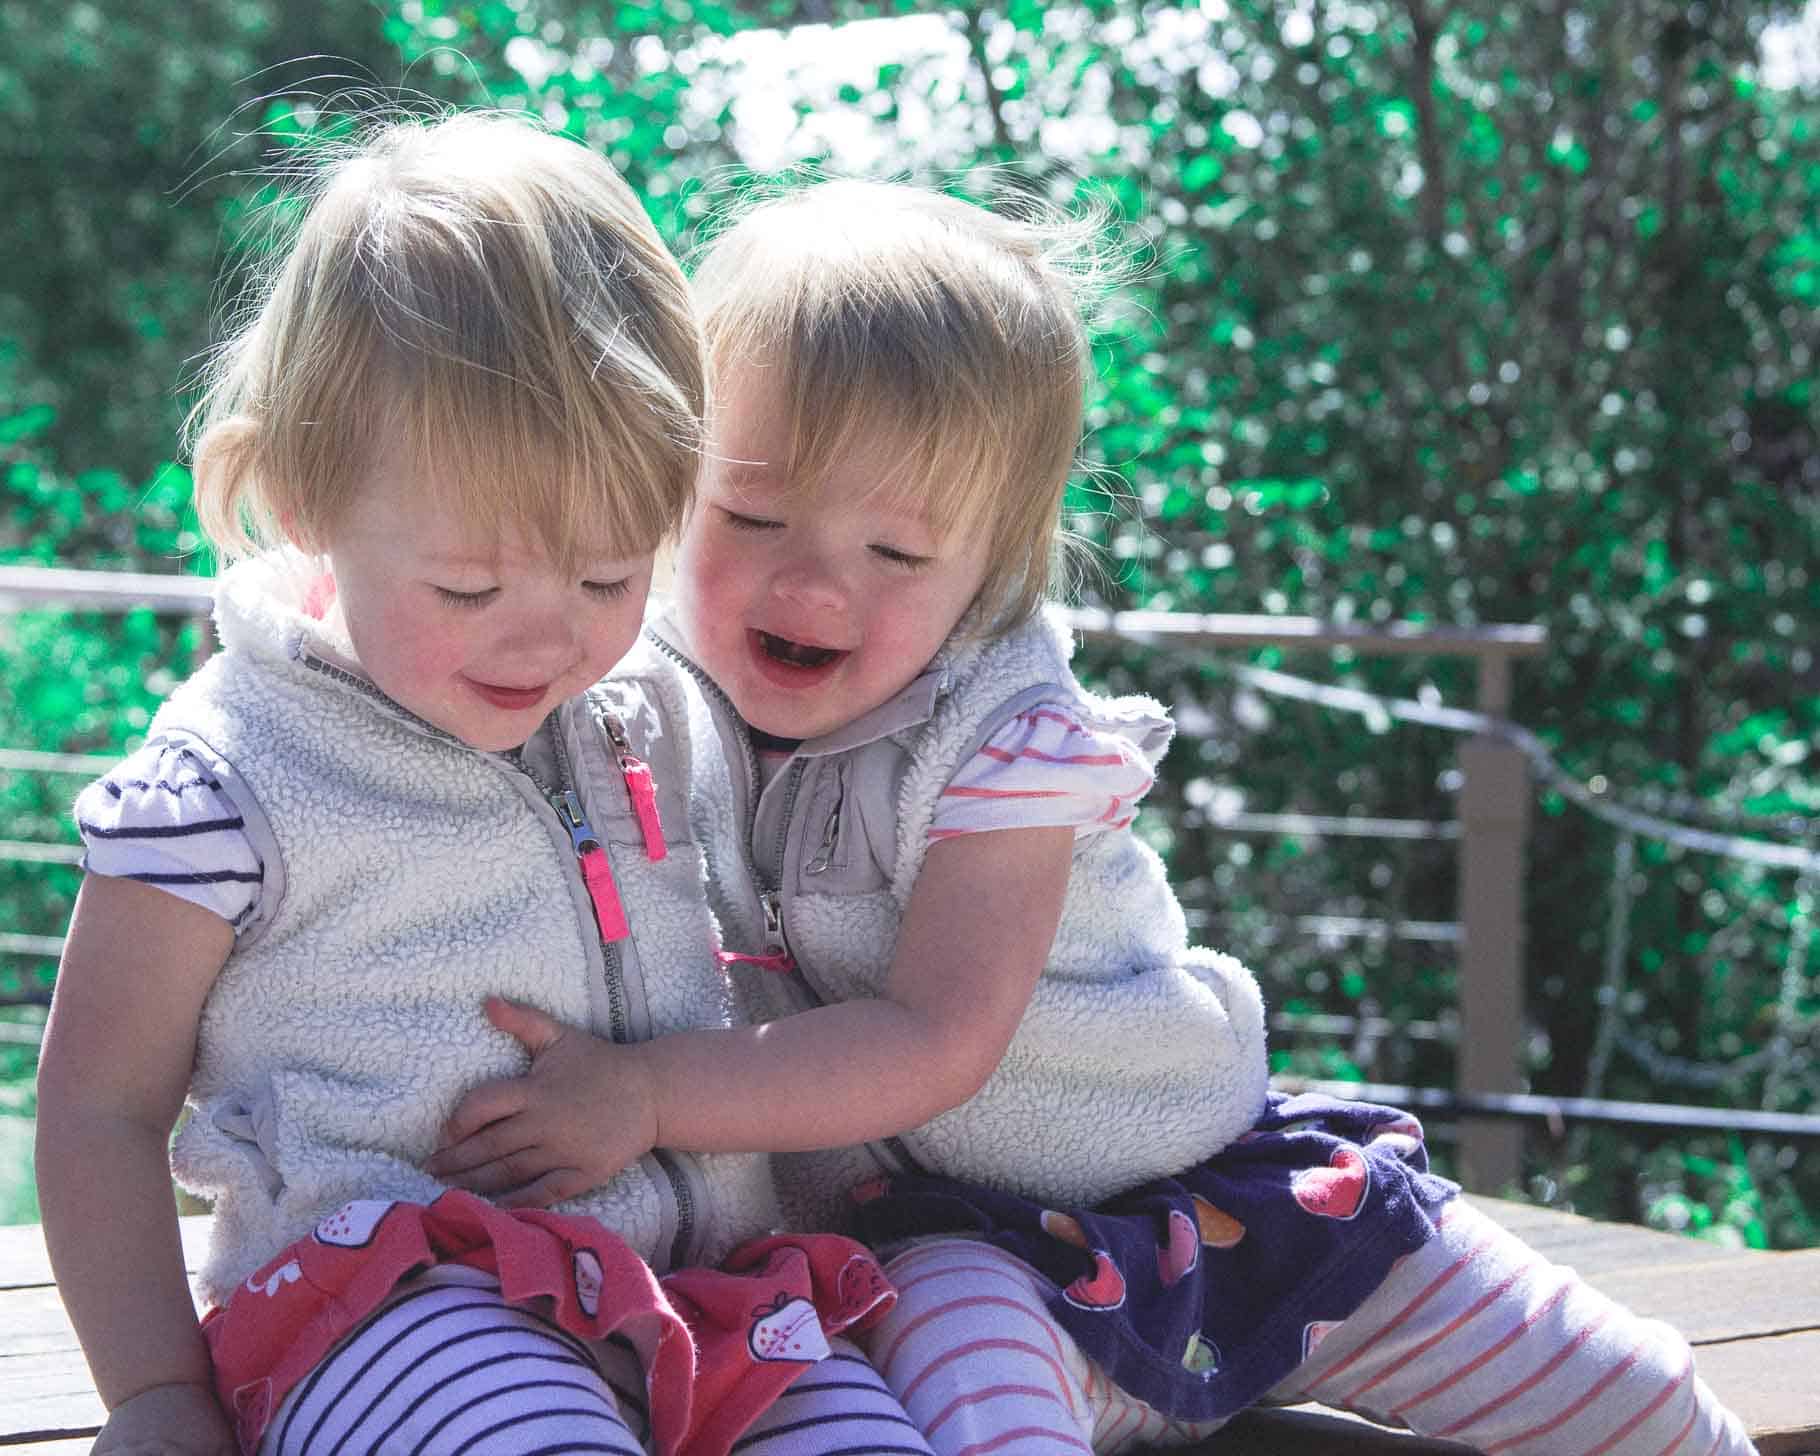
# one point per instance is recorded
(136, 969)
(974, 940)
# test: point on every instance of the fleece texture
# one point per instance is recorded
(408, 877)
(1139, 1055)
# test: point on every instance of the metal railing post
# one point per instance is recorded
(1494, 821)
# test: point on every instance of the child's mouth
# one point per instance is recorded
(510, 699)
(795, 654)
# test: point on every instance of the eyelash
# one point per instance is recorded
(466, 599)
(606, 591)
(902, 558)
(890, 554)
(750, 523)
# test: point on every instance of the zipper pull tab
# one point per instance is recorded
(778, 964)
(777, 958)
(641, 789)
(596, 871)
(568, 809)
(824, 853)
(772, 904)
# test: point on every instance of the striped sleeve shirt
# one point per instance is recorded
(1050, 766)
(162, 817)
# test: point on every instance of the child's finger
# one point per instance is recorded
(486, 1179)
(481, 1108)
(486, 1143)
(552, 1187)
(520, 1165)
(528, 1026)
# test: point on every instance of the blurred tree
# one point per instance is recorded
(126, 132)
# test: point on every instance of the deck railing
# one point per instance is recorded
(1498, 764)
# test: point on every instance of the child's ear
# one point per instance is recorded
(300, 528)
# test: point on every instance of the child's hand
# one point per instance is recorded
(168, 1420)
(584, 1111)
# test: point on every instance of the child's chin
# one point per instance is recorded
(779, 725)
(485, 740)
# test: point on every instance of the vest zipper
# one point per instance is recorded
(676, 1167)
(590, 854)
(770, 899)
(591, 860)
(797, 771)
(891, 1153)
(590, 851)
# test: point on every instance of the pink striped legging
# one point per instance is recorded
(1474, 1336)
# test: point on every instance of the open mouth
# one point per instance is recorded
(794, 654)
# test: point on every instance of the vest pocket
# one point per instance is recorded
(250, 1123)
(837, 854)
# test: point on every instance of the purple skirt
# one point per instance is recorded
(1199, 1293)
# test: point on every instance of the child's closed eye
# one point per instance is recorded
(909, 560)
(467, 598)
(608, 591)
(740, 521)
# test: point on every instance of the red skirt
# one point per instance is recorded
(717, 1345)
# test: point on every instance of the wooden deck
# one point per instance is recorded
(1754, 1319)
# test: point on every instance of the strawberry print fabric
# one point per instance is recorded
(717, 1345)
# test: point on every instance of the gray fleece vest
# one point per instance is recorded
(407, 877)
(1138, 1056)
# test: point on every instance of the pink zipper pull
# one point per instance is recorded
(596, 870)
(779, 963)
(597, 875)
(641, 788)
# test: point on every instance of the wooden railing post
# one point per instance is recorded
(1494, 822)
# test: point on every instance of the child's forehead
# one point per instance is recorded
(881, 483)
(449, 517)
(757, 450)
(768, 441)
(501, 545)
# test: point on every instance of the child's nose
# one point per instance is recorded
(546, 635)
(811, 582)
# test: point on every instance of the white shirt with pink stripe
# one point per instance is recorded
(1051, 766)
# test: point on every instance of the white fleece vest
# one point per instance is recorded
(1138, 1056)
(407, 878)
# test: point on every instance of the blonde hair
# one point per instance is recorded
(490, 300)
(881, 315)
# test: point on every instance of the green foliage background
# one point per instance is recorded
(1450, 310)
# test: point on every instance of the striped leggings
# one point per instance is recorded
(1474, 1337)
(447, 1367)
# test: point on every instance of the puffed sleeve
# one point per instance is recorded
(1051, 766)
(163, 817)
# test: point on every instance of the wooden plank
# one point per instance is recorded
(1720, 1299)
(1772, 1384)
(47, 1397)
(23, 1261)
(1754, 1317)
(1593, 1247)
(66, 1446)
(47, 1394)
(35, 1324)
